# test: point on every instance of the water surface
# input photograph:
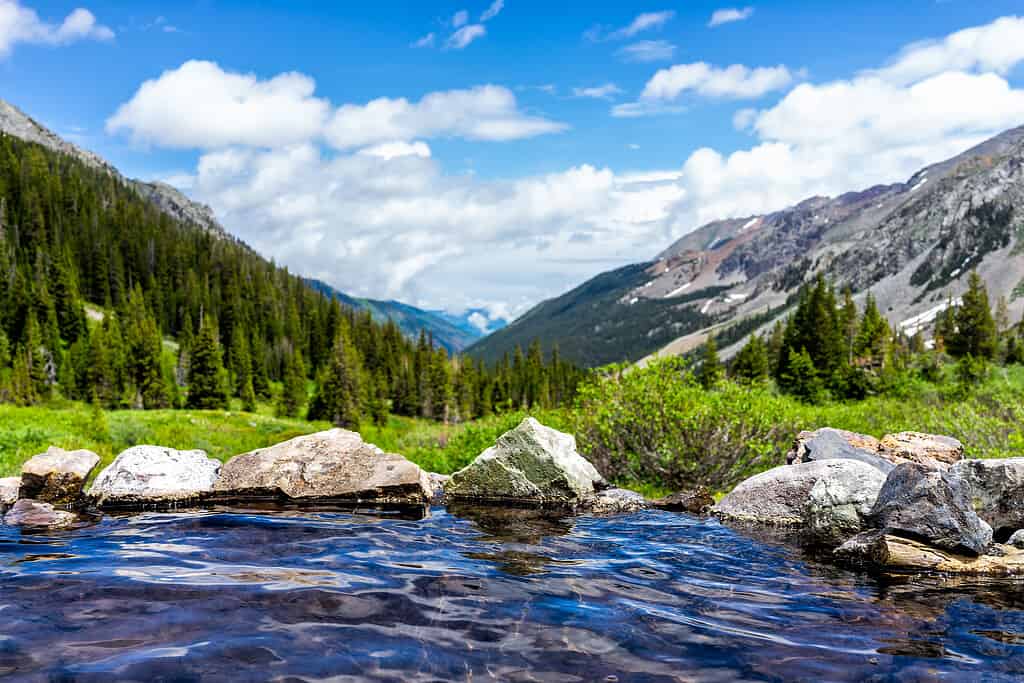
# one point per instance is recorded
(467, 595)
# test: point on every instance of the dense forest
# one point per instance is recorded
(106, 299)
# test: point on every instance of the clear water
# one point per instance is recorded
(471, 596)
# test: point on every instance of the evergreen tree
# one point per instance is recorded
(802, 378)
(751, 364)
(710, 372)
(339, 390)
(207, 388)
(873, 335)
(144, 354)
(975, 333)
(293, 394)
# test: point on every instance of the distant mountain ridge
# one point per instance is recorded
(910, 244)
(453, 332)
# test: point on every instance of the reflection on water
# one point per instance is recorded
(472, 594)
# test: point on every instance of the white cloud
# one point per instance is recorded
(736, 81)
(393, 150)
(201, 105)
(647, 51)
(729, 14)
(462, 38)
(493, 11)
(643, 22)
(426, 41)
(20, 24)
(460, 19)
(599, 92)
(479, 321)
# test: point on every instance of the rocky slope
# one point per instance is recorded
(910, 244)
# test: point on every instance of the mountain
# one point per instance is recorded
(454, 333)
(909, 244)
(451, 332)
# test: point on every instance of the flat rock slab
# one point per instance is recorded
(696, 502)
(154, 475)
(33, 513)
(336, 464)
(928, 449)
(9, 487)
(996, 488)
(57, 476)
(529, 464)
(878, 550)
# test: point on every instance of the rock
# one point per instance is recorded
(336, 464)
(927, 449)
(145, 475)
(9, 487)
(28, 512)
(1017, 539)
(616, 501)
(922, 502)
(996, 488)
(695, 502)
(780, 496)
(531, 463)
(437, 485)
(837, 505)
(837, 444)
(57, 476)
(878, 550)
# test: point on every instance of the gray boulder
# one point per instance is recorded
(996, 488)
(781, 496)
(33, 513)
(615, 501)
(838, 504)
(920, 502)
(531, 463)
(154, 475)
(837, 444)
(927, 449)
(696, 502)
(9, 487)
(57, 476)
(1017, 539)
(335, 464)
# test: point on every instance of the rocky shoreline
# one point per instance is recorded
(907, 502)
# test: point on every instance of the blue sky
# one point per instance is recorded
(521, 173)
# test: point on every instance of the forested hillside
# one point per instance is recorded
(178, 316)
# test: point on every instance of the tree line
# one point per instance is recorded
(104, 298)
(829, 348)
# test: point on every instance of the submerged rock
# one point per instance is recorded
(336, 464)
(145, 475)
(9, 487)
(996, 488)
(531, 463)
(696, 502)
(34, 513)
(922, 502)
(781, 496)
(615, 501)
(838, 504)
(57, 476)
(927, 449)
(877, 550)
(837, 444)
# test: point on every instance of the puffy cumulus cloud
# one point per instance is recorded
(647, 51)
(736, 81)
(201, 105)
(728, 15)
(487, 112)
(390, 150)
(20, 24)
(462, 38)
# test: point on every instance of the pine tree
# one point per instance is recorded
(338, 397)
(293, 394)
(207, 388)
(873, 335)
(378, 400)
(241, 363)
(710, 372)
(144, 352)
(802, 377)
(751, 364)
(848, 324)
(975, 333)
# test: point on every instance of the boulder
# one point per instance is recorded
(695, 502)
(1017, 539)
(9, 487)
(615, 501)
(336, 464)
(921, 502)
(927, 449)
(33, 513)
(780, 496)
(877, 550)
(996, 488)
(154, 475)
(531, 464)
(57, 476)
(837, 444)
(837, 505)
